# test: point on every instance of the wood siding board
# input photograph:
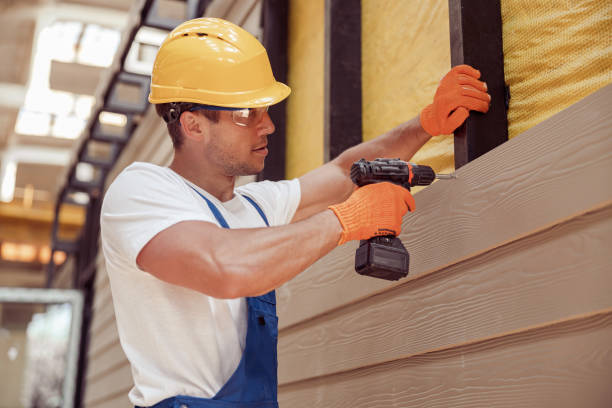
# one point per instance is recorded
(563, 365)
(103, 296)
(519, 188)
(240, 10)
(113, 400)
(503, 290)
(102, 277)
(275, 15)
(105, 362)
(102, 317)
(102, 283)
(112, 384)
(103, 338)
(343, 76)
(103, 306)
(476, 40)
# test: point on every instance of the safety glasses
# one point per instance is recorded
(240, 116)
(248, 116)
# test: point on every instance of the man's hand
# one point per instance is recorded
(459, 92)
(374, 209)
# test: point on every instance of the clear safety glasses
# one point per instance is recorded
(240, 116)
(248, 116)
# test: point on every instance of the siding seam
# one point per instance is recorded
(107, 397)
(529, 329)
(410, 279)
(101, 374)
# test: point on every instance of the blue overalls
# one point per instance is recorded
(254, 382)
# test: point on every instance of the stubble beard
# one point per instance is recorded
(229, 163)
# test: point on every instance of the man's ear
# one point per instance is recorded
(192, 126)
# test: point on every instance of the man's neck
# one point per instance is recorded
(219, 185)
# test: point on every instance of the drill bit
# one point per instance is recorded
(446, 176)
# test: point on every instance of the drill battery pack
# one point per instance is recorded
(383, 257)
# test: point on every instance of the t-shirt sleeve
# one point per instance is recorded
(139, 204)
(279, 200)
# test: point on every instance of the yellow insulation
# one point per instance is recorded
(305, 77)
(405, 52)
(555, 53)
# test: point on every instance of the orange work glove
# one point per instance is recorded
(459, 91)
(374, 209)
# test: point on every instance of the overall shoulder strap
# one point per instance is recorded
(258, 208)
(214, 209)
(219, 216)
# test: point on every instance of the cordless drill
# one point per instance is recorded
(385, 256)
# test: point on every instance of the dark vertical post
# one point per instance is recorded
(476, 40)
(84, 278)
(275, 14)
(343, 124)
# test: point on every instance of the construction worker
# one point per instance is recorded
(193, 261)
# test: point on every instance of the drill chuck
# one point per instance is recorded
(422, 175)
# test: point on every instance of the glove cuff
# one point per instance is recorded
(427, 120)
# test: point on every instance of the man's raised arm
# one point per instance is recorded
(458, 92)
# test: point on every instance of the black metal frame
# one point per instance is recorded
(85, 247)
(115, 104)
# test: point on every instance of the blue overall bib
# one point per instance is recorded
(254, 383)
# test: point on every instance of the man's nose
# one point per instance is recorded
(266, 125)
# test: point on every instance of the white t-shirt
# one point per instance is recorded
(178, 341)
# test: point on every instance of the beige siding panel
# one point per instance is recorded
(102, 286)
(555, 171)
(106, 361)
(103, 293)
(149, 138)
(564, 365)
(112, 384)
(103, 338)
(253, 21)
(102, 316)
(114, 401)
(101, 275)
(157, 148)
(503, 290)
(240, 11)
(64, 277)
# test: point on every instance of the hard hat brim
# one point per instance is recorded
(267, 96)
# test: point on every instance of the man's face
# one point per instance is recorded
(238, 150)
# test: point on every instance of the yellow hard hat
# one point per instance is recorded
(214, 62)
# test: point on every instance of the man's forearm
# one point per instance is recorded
(255, 261)
(331, 184)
